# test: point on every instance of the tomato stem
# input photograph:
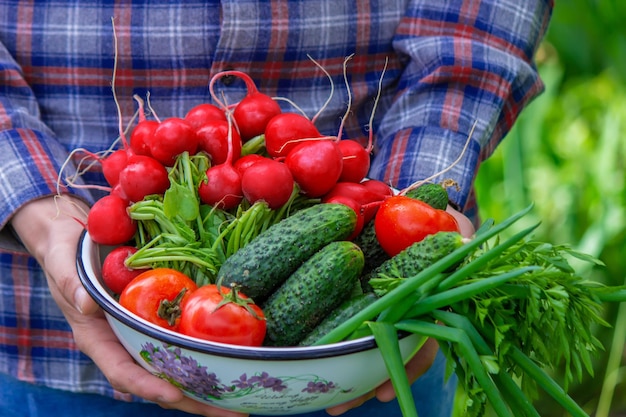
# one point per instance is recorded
(233, 296)
(170, 310)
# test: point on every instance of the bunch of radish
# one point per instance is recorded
(295, 153)
(293, 156)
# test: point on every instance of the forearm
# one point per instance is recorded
(30, 156)
(43, 223)
(468, 77)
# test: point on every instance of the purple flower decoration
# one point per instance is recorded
(185, 372)
(266, 381)
(319, 387)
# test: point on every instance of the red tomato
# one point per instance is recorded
(152, 295)
(402, 221)
(215, 314)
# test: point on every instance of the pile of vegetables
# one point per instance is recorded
(243, 224)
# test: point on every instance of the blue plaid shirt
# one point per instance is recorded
(452, 66)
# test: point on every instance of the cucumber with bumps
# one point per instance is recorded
(435, 195)
(340, 314)
(411, 261)
(270, 258)
(374, 253)
(316, 288)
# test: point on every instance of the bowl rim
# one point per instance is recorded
(95, 288)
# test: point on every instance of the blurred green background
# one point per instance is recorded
(567, 154)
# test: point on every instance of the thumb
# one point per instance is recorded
(63, 282)
(83, 302)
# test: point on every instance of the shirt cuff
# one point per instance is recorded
(31, 163)
(431, 153)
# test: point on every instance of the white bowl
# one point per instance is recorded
(259, 380)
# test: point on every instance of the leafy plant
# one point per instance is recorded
(567, 154)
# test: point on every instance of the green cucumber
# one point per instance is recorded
(411, 261)
(367, 241)
(315, 289)
(270, 258)
(340, 314)
(435, 195)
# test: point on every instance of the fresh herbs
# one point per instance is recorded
(512, 311)
(178, 231)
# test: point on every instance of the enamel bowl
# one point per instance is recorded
(264, 381)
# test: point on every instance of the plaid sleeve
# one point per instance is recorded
(30, 156)
(469, 74)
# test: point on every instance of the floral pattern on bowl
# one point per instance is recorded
(186, 373)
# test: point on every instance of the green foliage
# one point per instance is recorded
(589, 36)
(567, 154)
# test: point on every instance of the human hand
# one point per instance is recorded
(465, 225)
(48, 229)
(423, 359)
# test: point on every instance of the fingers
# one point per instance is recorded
(416, 367)
(342, 408)
(190, 406)
(95, 338)
(465, 224)
(63, 280)
(50, 229)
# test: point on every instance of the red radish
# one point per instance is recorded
(360, 194)
(113, 164)
(172, 137)
(109, 223)
(356, 161)
(378, 187)
(142, 136)
(222, 188)
(213, 139)
(267, 180)
(203, 113)
(253, 112)
(246, 161)
(315, 166)
(143, 176)
(285, 131)
(118, 191)
(357, 191)
(115, 274)
(354, 205)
